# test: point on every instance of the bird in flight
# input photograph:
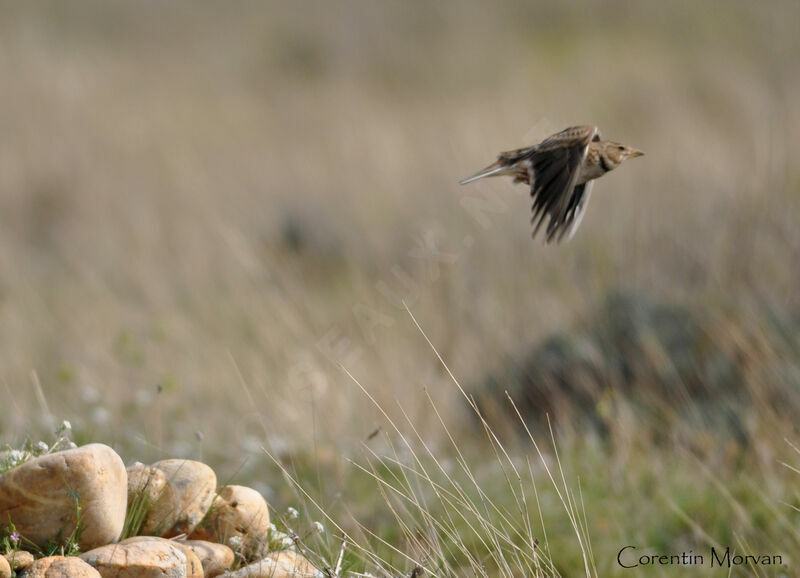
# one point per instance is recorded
(560, 171)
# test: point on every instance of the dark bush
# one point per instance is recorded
(669, 364)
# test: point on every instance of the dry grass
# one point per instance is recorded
(203, 213)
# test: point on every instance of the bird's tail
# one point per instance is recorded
(499, 167)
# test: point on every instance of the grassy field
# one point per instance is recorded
(235, 234)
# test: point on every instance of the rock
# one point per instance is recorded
(239, 518)
(193, 565)
(294, 562)
(18, 560)
(60, 567)
(215, 558)
(39, 497)
(148, 558)
(5, 568)
(185, 498)
(286, 564)
(150, 496)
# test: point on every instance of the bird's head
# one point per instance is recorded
(616, 152)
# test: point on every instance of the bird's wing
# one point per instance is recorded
(575, 210)
(554, 168)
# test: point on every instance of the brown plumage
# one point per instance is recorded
(560, 171)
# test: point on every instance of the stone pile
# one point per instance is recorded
(186, 526)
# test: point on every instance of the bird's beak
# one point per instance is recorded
(634, 153)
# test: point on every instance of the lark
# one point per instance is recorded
(560, 171)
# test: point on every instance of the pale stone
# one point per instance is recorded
(190, 491)
(295, 562)
(286, 564)
(215, 558)
(59, 567)
(141, 559)
(194, 566)
(40, 497)
(149, 492)
(239, 518)
(19, 560)
(5, 568)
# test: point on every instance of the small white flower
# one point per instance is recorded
(41, 446)
(65, 425)
(319, 528)
(282, 541)
(272, 527)
(90, 395)
(16, 456)
(235, 542)
(292, 513)
(100, 415)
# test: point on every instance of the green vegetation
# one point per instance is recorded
(11, 540)
(11, 457)
(211, 222)
(139, 506)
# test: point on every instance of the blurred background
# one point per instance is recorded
(207, 210)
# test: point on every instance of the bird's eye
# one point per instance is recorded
(622, 148)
